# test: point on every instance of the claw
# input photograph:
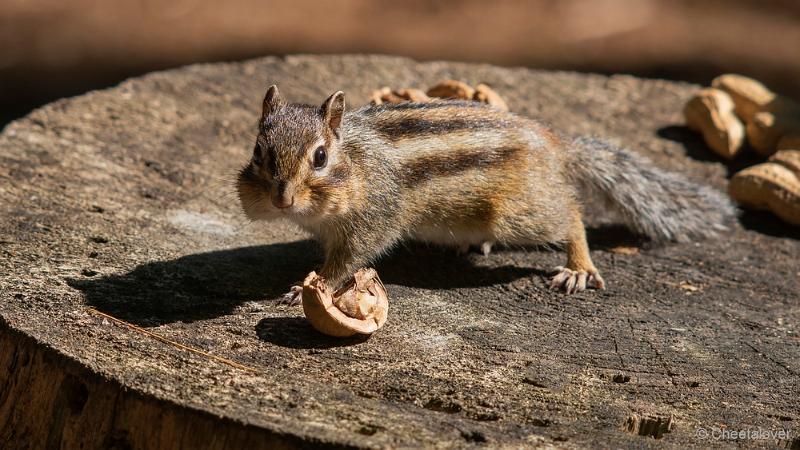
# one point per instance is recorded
(293, 297)
(572, 281)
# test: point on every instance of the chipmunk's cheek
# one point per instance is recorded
(254, 201)
(316, 201)
(303, 202)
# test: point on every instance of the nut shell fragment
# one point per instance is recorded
(448, 89)
(452, 89)
(413, 95)
(360, 307)
(485, 94)
(386, 95)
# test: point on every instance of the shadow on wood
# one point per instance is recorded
(207, 285)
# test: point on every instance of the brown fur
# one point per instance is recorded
(447, 172)
(421, 169)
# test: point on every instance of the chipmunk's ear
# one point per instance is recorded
(272, 101)
(333, 110)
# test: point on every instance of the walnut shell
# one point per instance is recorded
(452, 89)
(413, 95)
(485, 94)
(386, 95)
(360, 307)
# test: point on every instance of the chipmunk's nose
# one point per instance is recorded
(283, 196)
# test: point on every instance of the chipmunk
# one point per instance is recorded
(454, 173)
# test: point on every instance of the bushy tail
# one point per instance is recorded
(662, 205)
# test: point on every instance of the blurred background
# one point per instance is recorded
(55, 48)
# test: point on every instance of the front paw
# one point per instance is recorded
(572, 281)
(293, 297)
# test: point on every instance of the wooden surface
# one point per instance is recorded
(121, 201)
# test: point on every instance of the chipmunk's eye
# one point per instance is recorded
(258, 157)
(320, 157)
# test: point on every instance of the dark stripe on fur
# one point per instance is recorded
(338, 174)
(246, 174)
(323, 188)
(414, 127)
(429, 167)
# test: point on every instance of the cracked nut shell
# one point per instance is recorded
(360, 307)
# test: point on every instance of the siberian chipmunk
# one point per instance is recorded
(455, 173)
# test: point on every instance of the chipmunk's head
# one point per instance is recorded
(298, 169)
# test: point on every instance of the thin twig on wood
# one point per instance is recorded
(157, 337)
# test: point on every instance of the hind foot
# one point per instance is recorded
(572, 281)
(486, 248)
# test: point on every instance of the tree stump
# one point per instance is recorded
(138, 304)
